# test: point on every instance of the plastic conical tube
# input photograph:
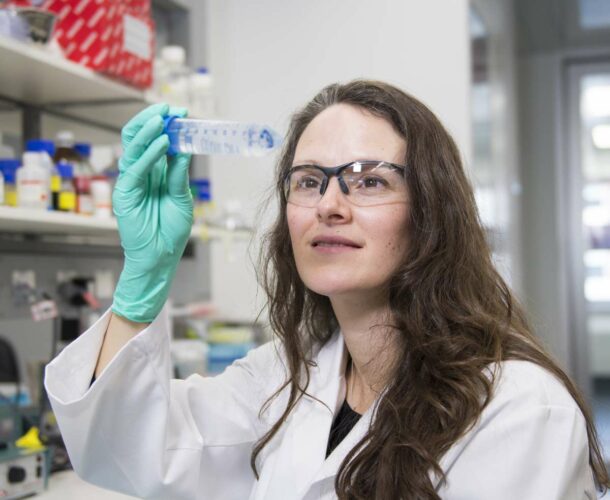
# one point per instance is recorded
(213, 137)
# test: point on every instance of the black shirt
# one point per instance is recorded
(343, 423)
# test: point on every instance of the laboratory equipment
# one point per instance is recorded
(201, 93)
(24, 463)
(65, 148)
(214, 137)
(172, 76)
(67, 192)
(65, 153)
(33, 181)
(39, 23)
(12, 25)
(47, 149)
(189, 356)
(9, 168)
(82, 179)
(23, 472)
(101, 192)
(203, 205)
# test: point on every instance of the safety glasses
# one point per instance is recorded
(366, 183)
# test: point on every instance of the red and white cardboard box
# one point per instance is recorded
(110, 36)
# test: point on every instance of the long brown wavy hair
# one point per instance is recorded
(454, 313)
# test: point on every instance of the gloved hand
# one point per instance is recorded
(154, 209)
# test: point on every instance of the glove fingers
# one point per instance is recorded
(178, 165)
(158, 185)
(135, 124)
(178, 175)
(136, 174)
(137, 146)
(177, 111)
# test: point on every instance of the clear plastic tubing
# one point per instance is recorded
(212, 137)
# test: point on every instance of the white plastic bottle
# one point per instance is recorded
(212, 137)
(33, 182)
(201, 94)
(101, 191)
(174, 84)
(46, 149)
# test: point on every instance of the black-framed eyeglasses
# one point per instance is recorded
(366, 182)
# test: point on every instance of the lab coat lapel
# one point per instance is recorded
(331, 466)
(303, 448)
(328, 385)
(328, 375)
(332, 392)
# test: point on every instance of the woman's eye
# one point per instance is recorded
(308, 183)
(373, 182)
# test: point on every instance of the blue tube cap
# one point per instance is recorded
(167, 121)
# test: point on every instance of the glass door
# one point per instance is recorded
(588, 182)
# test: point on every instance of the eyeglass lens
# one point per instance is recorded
(368, 184)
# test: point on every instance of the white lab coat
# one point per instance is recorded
(138, 432)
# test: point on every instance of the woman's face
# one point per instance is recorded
(378, 234)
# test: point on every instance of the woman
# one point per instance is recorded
(402, 366)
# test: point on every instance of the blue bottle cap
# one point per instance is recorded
(9, 163)
(204, 183)
(40, 145)
(202, 70)
(8, 167)
(83, 149)
(66, 170)
(201, 188)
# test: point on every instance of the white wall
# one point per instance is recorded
(271, 56)
(544, 248)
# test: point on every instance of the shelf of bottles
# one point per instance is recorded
(23, 220)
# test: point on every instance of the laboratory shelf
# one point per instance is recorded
(23, 220)
(35, 75)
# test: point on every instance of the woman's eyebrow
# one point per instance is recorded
(304, 162)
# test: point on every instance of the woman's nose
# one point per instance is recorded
(333, 205)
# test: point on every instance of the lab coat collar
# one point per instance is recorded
(327, 376)
(303, 454)
(328, 385)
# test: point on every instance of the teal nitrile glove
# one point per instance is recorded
(154, 210)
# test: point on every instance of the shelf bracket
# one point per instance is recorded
(30, 122)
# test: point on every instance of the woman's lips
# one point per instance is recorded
(333, 247)
(334, 241)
